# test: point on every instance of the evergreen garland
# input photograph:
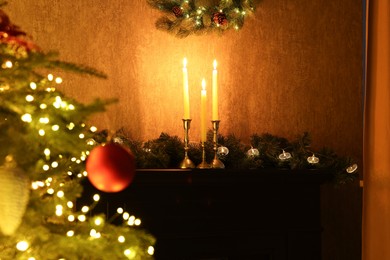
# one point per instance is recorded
(167, 152)
(185, 17)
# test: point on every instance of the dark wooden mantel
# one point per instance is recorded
(267, 214)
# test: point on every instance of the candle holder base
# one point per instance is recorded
(187, 164)
(217, 164)
(203, 165)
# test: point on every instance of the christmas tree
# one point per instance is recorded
(44, 147)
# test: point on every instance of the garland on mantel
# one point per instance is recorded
(185, 17)
(265, 151)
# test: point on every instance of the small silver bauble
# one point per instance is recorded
(222, 151)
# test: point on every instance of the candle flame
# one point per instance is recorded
(185, 62)
(215, 64)
(203, 84)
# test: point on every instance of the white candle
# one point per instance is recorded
(186, 90)
(215, 93)
(203, 102)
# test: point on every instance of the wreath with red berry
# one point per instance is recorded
(185, 17)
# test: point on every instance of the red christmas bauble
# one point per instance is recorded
(110, 167)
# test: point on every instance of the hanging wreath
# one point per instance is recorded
(185, 17)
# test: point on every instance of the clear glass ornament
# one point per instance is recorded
(313, 159)
(352, 168)
(222, 151)
(253, 152)
(284, 155)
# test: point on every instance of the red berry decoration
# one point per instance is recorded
(110, 167)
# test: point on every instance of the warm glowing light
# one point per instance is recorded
(50, 77)
(96, 197)
(85, 209)
(58, 80)
(41, 132)
(150, 250)
(33, 85)
(93, 129)
(29, 98)
(81, 136)
(45, 167)
(126, 216)
(71, 107)
(54, 164)
(81, 218)
(60, 194)
(42, 106)
(55, 127)
(98, 221)
(43, 120)
(8, 64)
(59, 210)
(31, 258)
(46, 151)
(93, 233)
(22, 245)
(26, 118)
(50, 191)
(71, 218)
(70, 204)
(121, 239)
(70, 233)
(137, 222)
(129, 253)
(119, 210)
(70, 126)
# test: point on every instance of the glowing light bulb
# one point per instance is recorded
(126, 215)
(119, 210)
(121, 239)
(70, 233)
(137, 222)
(85, 209)
(33, 85)
(43, 120)
(58, 80)
(50, 191)
(41, 132)
(42, 106)
(96, 197)
(60, 194)
(55, 127)
(93, 129)
(29, 98)
(150, 250)
(54, 164)
(22, 245)
(81, 218)
(71, 218)
(7, 65)
(98, 221)
(26, 118)
(70, 204)
(81, 136)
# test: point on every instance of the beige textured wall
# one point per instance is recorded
(294, 67)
